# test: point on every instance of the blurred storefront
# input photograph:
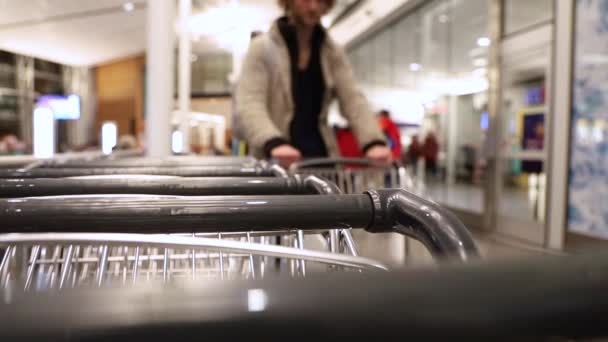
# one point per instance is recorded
(24, 83)
(431, 67)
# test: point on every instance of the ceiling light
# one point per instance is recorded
(415, 67)
(484, 41)
(128, 6)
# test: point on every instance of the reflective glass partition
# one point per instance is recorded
(524, 119)
(520, 15)
(429, 69)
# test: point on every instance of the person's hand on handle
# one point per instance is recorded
(285, 155)
(380, 156)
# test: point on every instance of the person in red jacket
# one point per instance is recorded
(391, 131)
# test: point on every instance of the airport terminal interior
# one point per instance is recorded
(154, 151)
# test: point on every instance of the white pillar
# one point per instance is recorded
(560, 99)
(452, 141)
(159, 83)
(184, 72)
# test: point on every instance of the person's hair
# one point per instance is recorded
(385, 113)
(284, 4)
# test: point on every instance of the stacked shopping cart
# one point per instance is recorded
(99, 221)
(131, 248)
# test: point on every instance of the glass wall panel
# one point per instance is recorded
(434, 38)
(383, 55)
(428, 69)
(523, 14)
(406, 49)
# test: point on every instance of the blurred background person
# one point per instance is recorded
(11, 145)
(391, 131)
(430, 151)
(414, 151)
(287, 81)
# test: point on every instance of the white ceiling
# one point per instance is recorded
(74, 32)
(91, 32)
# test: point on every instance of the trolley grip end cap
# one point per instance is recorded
(381, 222)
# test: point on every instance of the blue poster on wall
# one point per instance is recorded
(588, 181)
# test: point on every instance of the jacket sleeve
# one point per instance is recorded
(251, 98)
(353, 105)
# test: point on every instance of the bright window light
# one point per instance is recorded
(177, 142)
(484, 41)
(44, 133)
(109, 132)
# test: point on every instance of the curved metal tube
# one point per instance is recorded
(320, 185)
(437, 228)
(186, 171)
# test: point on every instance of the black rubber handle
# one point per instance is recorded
(176, 214)
(166, 185)
(323, 162)
(152, 185)
(529, 299)
(180, 161)
(377, 211)
(185, 171)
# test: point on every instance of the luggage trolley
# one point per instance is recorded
(64, 246)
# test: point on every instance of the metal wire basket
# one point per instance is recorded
(355, 175)
(49, 260)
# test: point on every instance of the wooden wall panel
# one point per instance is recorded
(119, 91)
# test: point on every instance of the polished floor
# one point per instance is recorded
(397, 251)
(512, 202)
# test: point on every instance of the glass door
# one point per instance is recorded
(522, 120)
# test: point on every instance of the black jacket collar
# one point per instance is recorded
(288, 32)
